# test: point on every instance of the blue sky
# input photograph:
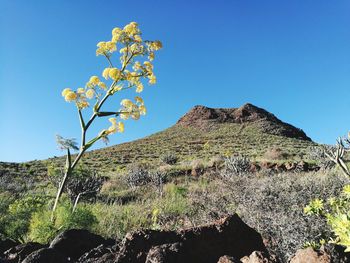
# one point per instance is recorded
(289, 57)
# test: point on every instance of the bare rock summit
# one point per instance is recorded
(206, 118)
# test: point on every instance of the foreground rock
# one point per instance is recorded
(6, 245)
(258, 257)
(206, 244)
(308, 255)
(20, 252)
(75, 242)
(46, 255)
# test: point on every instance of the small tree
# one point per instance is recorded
(135, 66)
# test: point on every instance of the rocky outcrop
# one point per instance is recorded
(228, 236)
(308, 255)
(75, 242)
(204, 118)
(6, 244)
(20, 252)
(46, 255)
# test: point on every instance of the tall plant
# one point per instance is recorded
(135, 67)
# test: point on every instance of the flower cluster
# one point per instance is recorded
(133, 110)
(136, 56)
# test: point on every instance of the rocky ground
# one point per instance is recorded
(228, 240)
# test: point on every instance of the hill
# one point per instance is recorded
(200, 134)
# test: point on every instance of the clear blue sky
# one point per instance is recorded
(289, 57)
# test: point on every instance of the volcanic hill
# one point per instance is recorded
(201, 134)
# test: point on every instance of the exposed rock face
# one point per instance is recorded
(45, 255)
(228, 259)
(6, 244)
(75, 242)
(203, 118)
(308, 255)
(258, 257)
(206, 244)
(20, 252)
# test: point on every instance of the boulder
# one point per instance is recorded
(308, 255)
(167, 253)
(6, 245)
(228, 259)
(45, 255)
(258, 257)
(102, 253)
(205, 244)
(74, 243)
(20, 252)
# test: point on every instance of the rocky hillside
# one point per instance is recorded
(207, 118)
(201, 134)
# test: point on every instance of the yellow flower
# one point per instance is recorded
(114, 73)
(139, 100)
(70, 96)
(105, 73)
(83, 104)
(137, 38)
(151, 56)
(102, 85)
(139, 87)
(156, 45)
(116, 32)
(117, 88)
(121, 127)
(111, 46)
(80, 90)
(152, 79)
(123, 50)
(124, 115)
(127, 103)
(135, 115)
(142, 110)
(90, 93)
(106, 47)
(65, 92)
(94, 80)
(131, 29)
(137, 65)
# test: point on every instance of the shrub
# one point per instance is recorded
(275, 153)
(169, 158)
(15, 221)
(317, 153)
(43, 230)
(115, 221)
(336, 211)
(235, 165)
(274, 207)
(138, 175)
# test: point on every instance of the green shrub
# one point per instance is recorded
(336, 210)
(42, 229)
(116, 220)
(15, 221)
(169, 158)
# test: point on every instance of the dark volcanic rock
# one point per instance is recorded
(203, 117)
(45, 255)
(74, 243)
(6, 245)
(20, 252)
(168, 253)
(102, 253)
(206, 244)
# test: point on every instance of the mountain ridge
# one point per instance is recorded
(203, 117)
